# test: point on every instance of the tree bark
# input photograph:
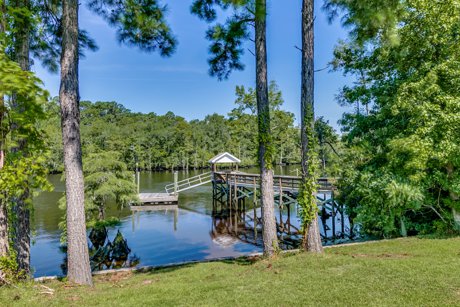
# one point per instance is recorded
(4, 237)
(101, 212)
(312, 238)
(22, 232)
(4, 243)
(21, 224)
(265, 160)
(78, 265)
(454, 197)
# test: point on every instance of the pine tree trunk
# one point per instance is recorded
(22, 232)
(265, 160)
(4, 237)
(312, 239)
(20, 209)
(4, 244)
(79, 270)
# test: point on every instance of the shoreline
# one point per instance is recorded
(149, 268)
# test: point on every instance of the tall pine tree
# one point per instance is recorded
(226, 52)
(307, 193)
(138, 23)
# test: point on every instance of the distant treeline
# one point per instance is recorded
(159, 142)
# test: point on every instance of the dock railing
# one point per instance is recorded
(188, 183)
(286, 183)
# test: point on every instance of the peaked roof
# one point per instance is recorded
(224, 158)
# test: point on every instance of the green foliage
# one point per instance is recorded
(226, 47)
(45, 32)
(227, 39)
(329, 148)
(306, 199)
(138, 23)
(402, 164)
(110, 221)
(107, 179)
(9, 270)
(368, 19)
(265, 139)
(25, 169)
(159, 142)
(20, 174)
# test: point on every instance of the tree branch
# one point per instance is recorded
(333, 149)
(321, 69)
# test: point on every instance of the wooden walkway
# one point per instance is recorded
(280, 182)
(158, 198)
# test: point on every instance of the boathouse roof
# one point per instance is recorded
(224, 158)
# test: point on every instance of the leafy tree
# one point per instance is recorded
(403, 155)
(107, 179)
(24, 169)
(243, 124)
(18, 20)
(30, 27)
(368, 19)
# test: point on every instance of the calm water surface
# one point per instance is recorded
(154, 238)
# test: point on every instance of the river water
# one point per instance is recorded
(153, 238)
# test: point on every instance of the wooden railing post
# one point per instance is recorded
(176, 177)
(138, 177)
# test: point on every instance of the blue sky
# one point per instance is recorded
(149, 83)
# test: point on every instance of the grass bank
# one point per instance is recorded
(409, 272)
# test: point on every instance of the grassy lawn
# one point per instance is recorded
(409, 272)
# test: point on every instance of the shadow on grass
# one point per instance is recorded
(242, 261)
(442, 236)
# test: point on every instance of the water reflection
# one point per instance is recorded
(232, 226)
(110, 255)
(136, 210)
(194, 230)
(242, 223)
(105, 254)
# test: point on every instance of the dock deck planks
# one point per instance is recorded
(158, 198)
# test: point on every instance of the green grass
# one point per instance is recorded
(402, 272)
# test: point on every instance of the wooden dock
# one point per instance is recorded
(158, 199)
(280, 182)
(154, 207)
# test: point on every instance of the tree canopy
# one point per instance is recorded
(404, 151)
(169, 141)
